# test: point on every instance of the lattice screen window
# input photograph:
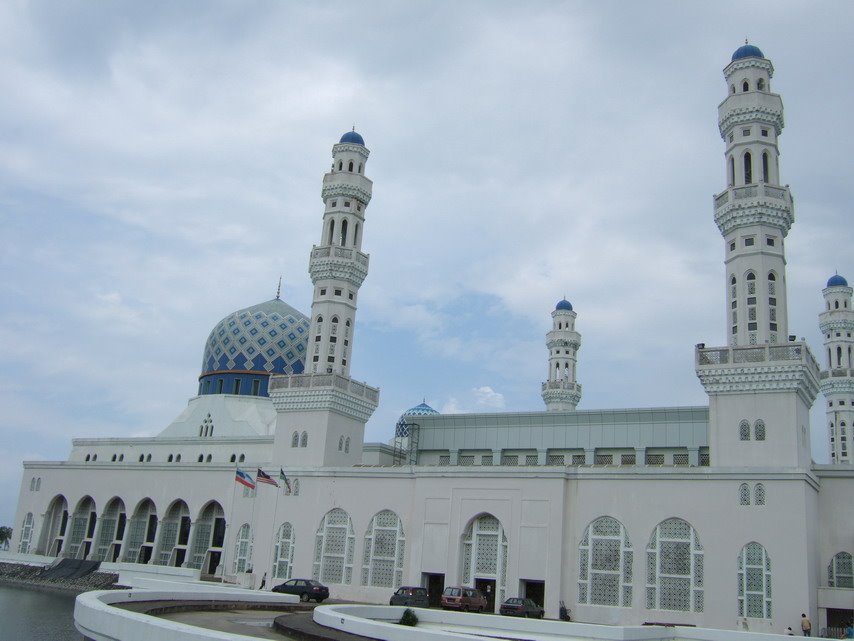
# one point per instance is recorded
(578, 459)
(759, 430)
(627, 459)
(201, 542)
(674, 568)
(284, 552)
(334, 548)
(604, 459)
(382, 561)
(166, 540)
(705, 460)
(840, 573)
(106, 530)
(555, 459)
(484, 552)
(26, 534)
(744, 431)
(605, 564)
(754, 582)
(242, 549)
(531, 459)
(759, 494)
(680, 458)
(467, 459)
(486, 460)
(744, 494)
(136, 536)
(510, 459)
(445, 459)
(655, 459)
(78, 530)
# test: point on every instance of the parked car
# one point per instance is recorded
(463, 598)
(411, 596)
(516, 607)
(305, 589)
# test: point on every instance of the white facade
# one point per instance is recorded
(714, 517)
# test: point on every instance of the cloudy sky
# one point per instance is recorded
(161, 165)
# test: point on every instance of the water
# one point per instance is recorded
(32, 615)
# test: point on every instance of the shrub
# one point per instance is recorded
(408, 618)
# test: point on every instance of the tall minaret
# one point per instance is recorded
(762, 386)
(322, 412)
(337, 265)
(560, 392)
(837, 381)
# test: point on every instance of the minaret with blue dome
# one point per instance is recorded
(322, 412)
(837, 379)
(561, 392)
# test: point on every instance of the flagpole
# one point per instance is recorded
(230, 519)
(275, 534)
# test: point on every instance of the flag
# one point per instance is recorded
(263, 477)
(244, 479)
(284, 479)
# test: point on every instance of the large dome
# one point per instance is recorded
(248, 345)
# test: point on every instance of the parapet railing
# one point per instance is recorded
(749, 191)
(312, 381)
(756, 354)
(339, 252)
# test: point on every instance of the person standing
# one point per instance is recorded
(806, 625)
(263, 581)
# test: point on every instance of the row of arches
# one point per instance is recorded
(299, 440)
(342, 238)
(350, 166)
(747, 169)
(759, 432)
(758, 493)
(745, 85)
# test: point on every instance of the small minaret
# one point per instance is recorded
(837, 380)
(560, 392)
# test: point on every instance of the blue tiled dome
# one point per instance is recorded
(747, 51)
(252, 343)
(353, 138)
(402, 427)
(564, 304)
(837, 281)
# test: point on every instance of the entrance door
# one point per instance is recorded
(487, 586)
(536, 591)
(435, 584)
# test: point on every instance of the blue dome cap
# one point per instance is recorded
(564, 304)
(353, 138)
(401, 429)
(747, 51)
(837, 281)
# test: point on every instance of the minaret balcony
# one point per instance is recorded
(562, 385)
(335, 392)
(751, 107)
(758, 203)
(839, 372)
(328, 251)
(347, 185)
(338, 263)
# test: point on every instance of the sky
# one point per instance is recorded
(161, 167)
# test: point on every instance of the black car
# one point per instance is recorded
(306, 589)
(517, 607)
(411, 596)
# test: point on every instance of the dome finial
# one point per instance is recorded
(746, 42)
(279, 289)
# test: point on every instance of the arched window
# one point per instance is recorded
(169, 459)
(148, 458)
(605, 564)
(340, 443)
(840, 573)
(296, 487)
(765, 166)
(732, 88)
(360, 168)
(759, 494)
(731, 176)
(382, 564)
(94, 457)
(32, 484)
(201, 458)
(754, 582)
(760, 84)
(38, 484)
(744, 431)
(748, 168)
(331, 231)
(356, 235)
(340, 165)
(241, 458)
(295, 440)
(242, 549)
(744, 494)
(303, 441)
(745, 86)
(233, 458)
(209, 458)
(121, 457)
(838, 356)
(178, 458)
(27, 534)
(284, 552)
(350, 166)
(674, 568)
(114, 458)
(759, 430)
(836, 304)
(201, 429)
(87, 457)
(141, 458)
(333, 544)
(484, 553)
(347, 445)
(343, 241)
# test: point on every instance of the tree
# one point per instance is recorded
(5, 535)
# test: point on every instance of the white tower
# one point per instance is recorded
(560, 392)
(762, 386)
(837, 381)
(322, 413)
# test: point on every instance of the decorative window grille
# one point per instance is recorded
(284, 552)
(79, 521)
(754, 582)
(751, 288)
(759, 494)
(509, 459)
(531, 459)
(486, 460)
(382, 562)
(334, 546)
(705, 460)
(655, 459)
(485, 553)
(605, 559)
(295, 439)
(604, 459)
(106, 530)
(203, 537)
(296, 487)
(555, 459)
(759, 430)
(627, 459)
(27, 534)
(744, 431)
(674, 568)
(445, 459)
(168, 538)
(468, 459)
(744, 494)
(303, 440)
(242, 549)
(680, 458)
(840, 573)
(578, 459)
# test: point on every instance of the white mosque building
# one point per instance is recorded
(712, 515)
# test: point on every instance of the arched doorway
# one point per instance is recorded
(111, 531)
(209, 537)
(52, 536)
(174, 536)
(484, 558)
(141, 533)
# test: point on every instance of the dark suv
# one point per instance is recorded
(411, 596)
(464, 599)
